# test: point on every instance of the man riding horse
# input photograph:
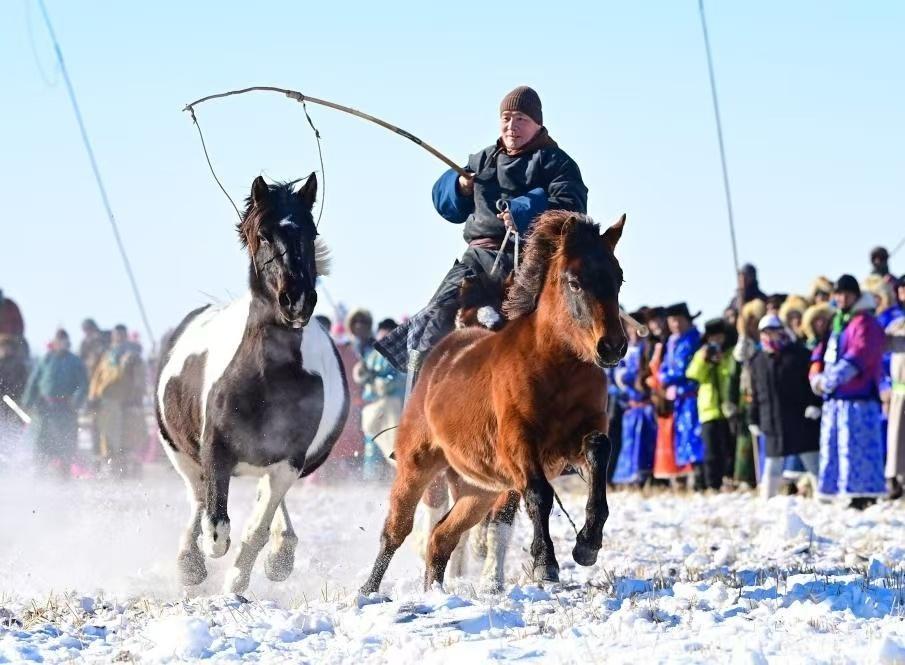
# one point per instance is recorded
(508, 185)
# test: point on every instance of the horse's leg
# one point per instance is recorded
(271, 491)
(412, 478)
(597, 447)
(457, 560)
(435, 502)
(216, 468)
(467, 511)
(539, 503)
(499, 530)
(190, 560)
(281, 558)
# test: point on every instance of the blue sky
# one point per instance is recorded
(812, 95)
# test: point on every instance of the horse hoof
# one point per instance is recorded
(192, 570)
(585, 555)
(546, 573)
(215, 538)
(278, 566)
(236, 581)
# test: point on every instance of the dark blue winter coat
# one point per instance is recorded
(539, 178)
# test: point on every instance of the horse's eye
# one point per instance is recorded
(263, 239)
(574, 285)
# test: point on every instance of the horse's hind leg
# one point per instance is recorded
(467, 511)
(498, 533)
(413, 474)
(597, 449)
(190, 560)
(272, 489)
(281, 558)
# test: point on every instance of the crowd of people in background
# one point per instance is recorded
(783, 392)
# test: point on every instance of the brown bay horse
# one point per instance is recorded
(507, 411)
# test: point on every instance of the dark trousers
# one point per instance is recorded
(445, 302)
(717, 451)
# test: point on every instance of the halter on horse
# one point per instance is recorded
(250, 388)
(535, 398)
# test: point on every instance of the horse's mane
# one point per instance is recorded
(253, 217)
(552, 231)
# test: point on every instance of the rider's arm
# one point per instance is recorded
(524, 209)
(451, 205)
(567, 190)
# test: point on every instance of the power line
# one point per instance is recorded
(97, 174)
(719, 134)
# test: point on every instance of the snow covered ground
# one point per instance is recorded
(87, 574)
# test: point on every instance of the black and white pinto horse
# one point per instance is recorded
(250, 389)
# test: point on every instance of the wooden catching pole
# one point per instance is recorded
(301, 98)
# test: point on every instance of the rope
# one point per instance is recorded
(565, 512)
(211, 166)
(97, 175)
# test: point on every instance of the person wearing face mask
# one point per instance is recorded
(507, 185)
(851, 437)
(784, 410)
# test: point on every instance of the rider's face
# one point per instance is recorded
(516, 129)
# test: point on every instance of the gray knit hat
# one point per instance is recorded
(524, 100)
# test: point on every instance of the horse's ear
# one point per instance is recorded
(612, 235)
(307, 193)
(259, 190)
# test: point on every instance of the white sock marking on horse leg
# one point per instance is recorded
(214, 536)
(458, 560)
(281, 558)
(190, 560)
(492, 577)
(272, 489)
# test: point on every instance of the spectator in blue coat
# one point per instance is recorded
(684, 341)
(507, 185)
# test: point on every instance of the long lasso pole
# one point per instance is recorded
(719, 135)
(301, 98)
(97, 176)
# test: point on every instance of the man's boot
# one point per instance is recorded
(894, 488)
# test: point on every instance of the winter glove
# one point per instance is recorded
(755, 431)
(813, 412)
(818, 384)
(729, 409)
(671, 393)
(838, 374)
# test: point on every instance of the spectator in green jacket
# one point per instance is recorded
(712, 368)
(55, 391)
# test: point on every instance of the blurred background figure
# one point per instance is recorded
(117, 393)
(354, 340)
(55, 391)
(746, 346)
(11, 322)
(784, 411)
(879, 265)
(749, 286)
(895, 434)
(14, 366)
(712, 368)
(95, 343)
(852, 446)
(382, 390)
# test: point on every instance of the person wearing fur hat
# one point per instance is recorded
(791, 313)
(851, 438)
(821, 290)
(815, 324)
(639, 425)
(508, 184)
(684, 340)
(784, 412)
(711, 368)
